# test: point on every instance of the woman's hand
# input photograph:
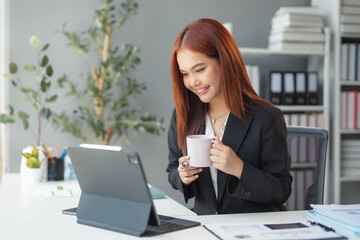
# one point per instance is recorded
(188, 173)
(225, 159)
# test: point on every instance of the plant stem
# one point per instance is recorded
(109, 133)
(40, 99)
(99, 83)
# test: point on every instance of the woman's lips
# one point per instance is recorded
(202, 90)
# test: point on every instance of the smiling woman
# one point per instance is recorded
(214, 97)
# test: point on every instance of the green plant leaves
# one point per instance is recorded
(32, 159)
(45, 47)
(45, 113)
(105, 105)
(39, 98)
(44, 86)
(4, 118)
(24, 117)
(49, 71)
(30, 68)
(35, 42)
(9, 76)
(13, 68)
(44, 61)
(52, 98)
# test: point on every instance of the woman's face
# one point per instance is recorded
(201, 74)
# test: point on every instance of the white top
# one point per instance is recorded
(210, 131)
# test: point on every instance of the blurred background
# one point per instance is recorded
(153, 30)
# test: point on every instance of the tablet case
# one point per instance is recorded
(105, 184)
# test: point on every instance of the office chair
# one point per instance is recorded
(307, 148)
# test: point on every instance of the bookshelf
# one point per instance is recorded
(316, 61)
(323, 64)
(343, 186)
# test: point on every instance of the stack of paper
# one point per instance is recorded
(344, 217)
(350, 155)
(350, 16)
(297, 28)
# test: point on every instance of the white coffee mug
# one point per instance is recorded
(198, 149)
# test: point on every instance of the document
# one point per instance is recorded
(280, 230)
(54, 190)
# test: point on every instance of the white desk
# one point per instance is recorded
(22, 217)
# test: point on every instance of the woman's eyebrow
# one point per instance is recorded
(192, 68)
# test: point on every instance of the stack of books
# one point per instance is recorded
(345, 218)
(350, 17)
(350, 61)
(350, 110)
(297, 28)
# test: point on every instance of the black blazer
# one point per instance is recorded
(265, 183)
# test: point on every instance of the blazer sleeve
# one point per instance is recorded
(174, 155)
(266, 180)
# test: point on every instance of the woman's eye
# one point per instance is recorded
(200, 70)
(183, 74)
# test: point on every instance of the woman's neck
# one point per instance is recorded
(217, 108)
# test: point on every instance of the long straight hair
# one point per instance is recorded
(211, 38)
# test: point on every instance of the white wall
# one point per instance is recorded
(154, 29)
(4, 50)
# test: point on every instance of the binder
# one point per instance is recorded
(312, 88)
(288, 88)
(300, 88)
(276, 88)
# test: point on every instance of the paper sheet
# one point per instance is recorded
(281, 230)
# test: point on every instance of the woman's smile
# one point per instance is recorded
(202, 90)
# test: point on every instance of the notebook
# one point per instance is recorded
(115, 194)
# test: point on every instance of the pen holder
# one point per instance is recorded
(55, 169)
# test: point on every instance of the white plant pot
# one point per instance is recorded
(43, 166)
(32, 175)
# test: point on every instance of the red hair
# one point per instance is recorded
(211, 38)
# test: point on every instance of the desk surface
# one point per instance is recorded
(22, 217)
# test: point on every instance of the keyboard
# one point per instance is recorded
(169, 224)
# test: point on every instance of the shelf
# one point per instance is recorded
(349, 83)
(350, 35)
(301, 108)
(350, 179)
(266, 51)
(349, 131)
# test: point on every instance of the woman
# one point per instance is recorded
(213, 96)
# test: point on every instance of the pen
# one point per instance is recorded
(63, 153)
(56, 151)
(46, 151)
(326, 228)
(184, 165)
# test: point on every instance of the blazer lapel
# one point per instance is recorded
(235, 132)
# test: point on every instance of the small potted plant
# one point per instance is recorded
(33, 172)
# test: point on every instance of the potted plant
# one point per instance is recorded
(33, 171)
(104, 105)
(38, 97)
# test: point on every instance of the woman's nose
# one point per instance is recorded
(194, 81)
